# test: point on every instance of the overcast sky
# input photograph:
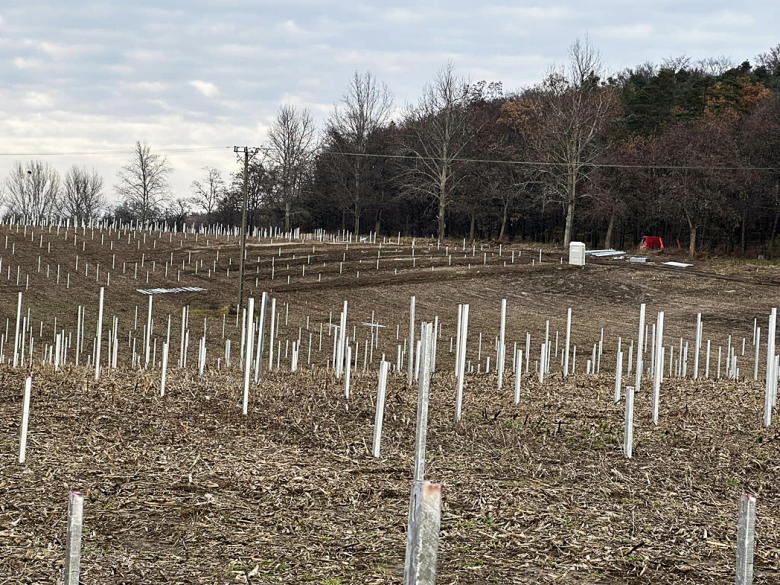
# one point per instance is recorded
(85, 77)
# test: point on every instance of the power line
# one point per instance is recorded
(553, 164)
(417, 157)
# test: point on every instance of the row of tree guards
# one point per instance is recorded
(393, 256)
(425, 501)
(116, 232)
(677, 366)
(416, 356)
(347, 348)
(650, 339)
(424, 506)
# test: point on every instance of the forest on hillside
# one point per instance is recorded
(682, 150)
(686, 150)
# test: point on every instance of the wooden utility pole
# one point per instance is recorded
(246, 150)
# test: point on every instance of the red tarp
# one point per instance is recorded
(651, 243)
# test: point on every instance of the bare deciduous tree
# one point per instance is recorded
(676, 64)
(715, 65)
(143, 182)
(292, 137)
(207, 194)
(573, 111)
(82, 197)
(33, 190)
(367, 108)
(438, 129)
(770, 59)
(691, 187)
(177, 211)
(759, 142)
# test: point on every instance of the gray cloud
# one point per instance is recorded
(90, 76)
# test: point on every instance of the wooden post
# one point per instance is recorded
(242, 247)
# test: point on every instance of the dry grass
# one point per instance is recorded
(186, 490)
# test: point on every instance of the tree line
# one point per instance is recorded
(689, 151)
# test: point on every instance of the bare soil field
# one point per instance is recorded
(184, 489)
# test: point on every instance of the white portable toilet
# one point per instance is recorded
(577, 253)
